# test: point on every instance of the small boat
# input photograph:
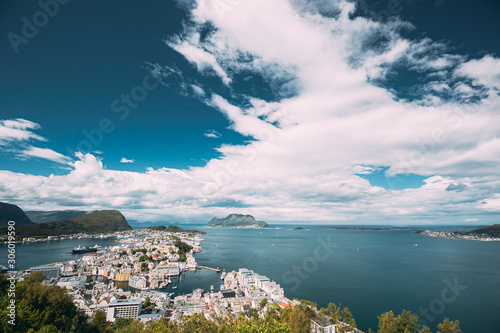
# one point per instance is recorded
(174, 287)
(415, 245)
(223, 275)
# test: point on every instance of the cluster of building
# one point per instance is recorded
(458, 235)
(142, 263)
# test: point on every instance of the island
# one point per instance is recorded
(237, 221)
(299, 228)
(174, 228)
(487, 233)
(361, 228)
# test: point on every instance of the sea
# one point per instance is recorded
(368, 270)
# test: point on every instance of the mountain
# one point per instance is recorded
(492, 231)
(10, 212)
(103, 221)
(54, 215)
(237, 221)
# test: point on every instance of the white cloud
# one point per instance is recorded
(124, 160)
(12, 130)
(45, 153)
(201, 58)
(485, 71)
(328, 122)
(212, 134)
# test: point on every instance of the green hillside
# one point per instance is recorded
(53, 215)
(104, 221)
(174, 228)
(10, 212)
(492, 231)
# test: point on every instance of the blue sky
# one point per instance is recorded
(326, 111)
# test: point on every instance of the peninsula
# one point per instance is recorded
(237, 221)
(488, 233)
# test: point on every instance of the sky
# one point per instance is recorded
(325, 111)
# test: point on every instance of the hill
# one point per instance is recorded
(104, 221)
(492, 231)
(237, 221)
(10, 212)
(53, 215)
(174, 228)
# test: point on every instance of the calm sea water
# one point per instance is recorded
(369, 271)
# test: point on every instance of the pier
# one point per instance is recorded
(210, 268)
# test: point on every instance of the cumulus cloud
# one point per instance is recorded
(333, 116)
(125, 160)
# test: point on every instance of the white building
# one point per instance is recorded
(123, 308)
(72, 282)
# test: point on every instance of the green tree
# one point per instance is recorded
(121, 322)
(263, 303)
(348, 318)
(134, 326)
(99, 322)
(387, 322)
(425, 329)
(332, 311)
(448, 326)
(407, 322)
(147, 302)
(38, 306)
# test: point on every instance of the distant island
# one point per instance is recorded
(174, 228)
(299, 228)
(488, 233)
(360, 228)
(104, 221)
(237, 221)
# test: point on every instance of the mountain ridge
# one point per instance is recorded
(10, 212)
(237, 221)
(103, 221)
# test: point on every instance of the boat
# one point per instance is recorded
(415, 245)
(83, 249)
(174, 287)
(223, 275)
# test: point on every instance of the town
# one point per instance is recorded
(126, 281)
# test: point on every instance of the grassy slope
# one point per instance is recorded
(103, 221)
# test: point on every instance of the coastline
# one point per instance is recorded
(455, 235)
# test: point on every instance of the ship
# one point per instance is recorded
(83, 249)
(223, 275)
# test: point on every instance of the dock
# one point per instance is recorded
(210, 268)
